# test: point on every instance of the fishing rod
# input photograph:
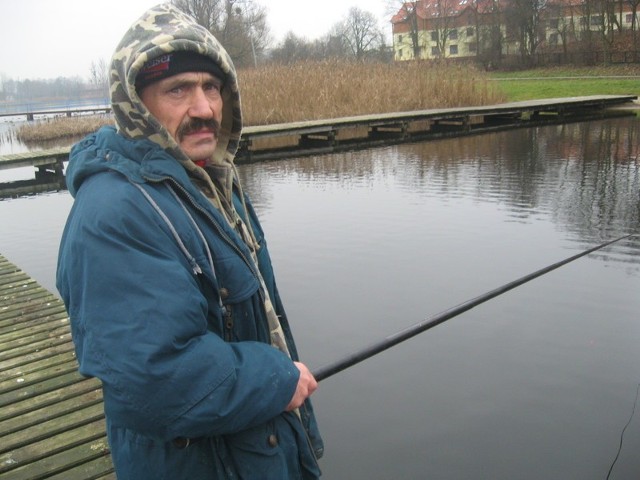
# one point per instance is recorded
(357, 357)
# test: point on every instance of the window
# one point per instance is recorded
(471, 31)
(596, 20)
(453, 34)
(629, 18)
(553, 39)
(434, 36)
(453, 49)
(553, 23)
(399, 53)
(435, 51)
(399, 38)
(472, 47)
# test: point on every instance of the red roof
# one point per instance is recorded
(427, 9)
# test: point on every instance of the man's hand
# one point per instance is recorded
(306, 386)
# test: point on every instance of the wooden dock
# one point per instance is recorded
(68, 112)
(51, 417)
(318, 137)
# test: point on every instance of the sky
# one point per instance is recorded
(47, 39)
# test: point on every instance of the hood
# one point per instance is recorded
(163, 29)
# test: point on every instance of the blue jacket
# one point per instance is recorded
(181, 344)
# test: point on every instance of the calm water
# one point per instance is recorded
(536, 384)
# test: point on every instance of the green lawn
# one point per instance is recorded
(567, 82)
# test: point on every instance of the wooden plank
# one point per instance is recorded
(49, 399)
(100, 468)
(42, 340)
(24, 380)
(51, 417)
(36, 355)
(34, 324)
(38, 441)
(56, 454)
(44, 311)
(33, 418)
(63, 381)
(45, 320)
(38, 365)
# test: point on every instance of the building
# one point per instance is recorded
(490, 30)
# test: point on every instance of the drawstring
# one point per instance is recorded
(194, 265)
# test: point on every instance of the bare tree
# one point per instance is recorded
(487, 17)
(524, 18)
(605, 20)
(407, 13)
(360, 32)
(240, 25)
(291, 50)
(99, 74)
(208, 13)
(634, 22)
(443, 22)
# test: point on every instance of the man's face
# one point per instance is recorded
(189, 106)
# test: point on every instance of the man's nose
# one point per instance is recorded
(201, 106)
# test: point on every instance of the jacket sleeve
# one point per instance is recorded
(139, 324)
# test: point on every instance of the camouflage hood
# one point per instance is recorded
(160, 30)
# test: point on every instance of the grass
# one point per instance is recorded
(568, 82)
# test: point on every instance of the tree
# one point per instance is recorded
(443, 24)
(99, 74)
(524, 18)
(360, 32)
(291, 50)
(487, 16)
(634, 21)
(240, 25)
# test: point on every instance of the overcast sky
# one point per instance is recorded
(54, 38)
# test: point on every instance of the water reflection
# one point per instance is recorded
(585, 176)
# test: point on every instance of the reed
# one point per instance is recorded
(61, 127)
(327, 89)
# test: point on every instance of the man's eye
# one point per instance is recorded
(212, 87)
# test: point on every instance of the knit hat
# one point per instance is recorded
(169, 64)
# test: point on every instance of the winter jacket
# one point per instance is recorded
(167, 307)
(182, 348)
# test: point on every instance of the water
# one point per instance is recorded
(535, 384)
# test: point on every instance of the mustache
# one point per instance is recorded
(195, 124)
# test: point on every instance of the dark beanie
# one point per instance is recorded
(169, 64)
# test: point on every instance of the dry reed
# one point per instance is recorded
(328, 89)
(61, 127)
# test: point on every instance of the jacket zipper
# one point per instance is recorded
(246, 261)
(223, 234)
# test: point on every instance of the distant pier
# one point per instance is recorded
(317, 137)
(67, 112)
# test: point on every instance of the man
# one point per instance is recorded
(165, 273)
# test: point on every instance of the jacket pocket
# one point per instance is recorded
(266, 452)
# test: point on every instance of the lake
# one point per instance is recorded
(539, 383)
